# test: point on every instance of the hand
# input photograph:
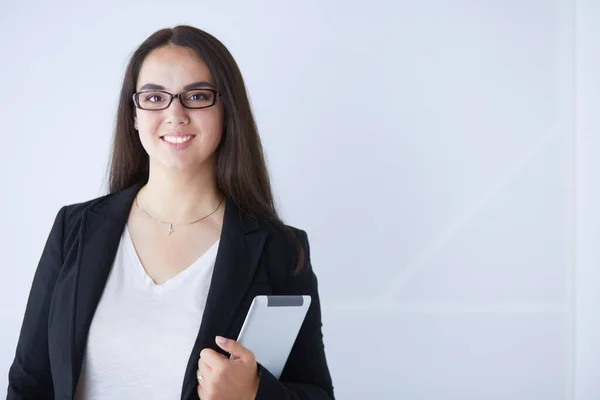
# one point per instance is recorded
(221, 378)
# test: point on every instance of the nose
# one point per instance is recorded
(176, 113)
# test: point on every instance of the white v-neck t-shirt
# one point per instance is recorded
(142, 334)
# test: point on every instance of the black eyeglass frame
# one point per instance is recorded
(136, 95)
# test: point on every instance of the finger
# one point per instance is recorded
(204, 376)
(204, 373)
(203, 364)
(234, 348)
(205, 391)
(212, 358)
(205, 369)
(201, 377)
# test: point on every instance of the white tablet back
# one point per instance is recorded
(271, 328)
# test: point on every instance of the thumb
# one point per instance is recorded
(232, 347)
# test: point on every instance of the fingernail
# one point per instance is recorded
(221, 340)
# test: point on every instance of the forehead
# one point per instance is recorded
(173, 67)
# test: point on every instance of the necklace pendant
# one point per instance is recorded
(170, 229)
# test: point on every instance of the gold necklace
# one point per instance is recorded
(171, 225)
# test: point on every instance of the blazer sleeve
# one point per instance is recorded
(29, 376)
(306, 374)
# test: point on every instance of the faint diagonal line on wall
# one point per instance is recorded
(370, 307)
(403, 276)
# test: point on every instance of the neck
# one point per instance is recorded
(178, 196)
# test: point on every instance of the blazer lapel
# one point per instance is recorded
(241, 244)
(101, 230)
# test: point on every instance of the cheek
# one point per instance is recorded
(149, 123)
(147, 142)
(211, 128)
(147, 133)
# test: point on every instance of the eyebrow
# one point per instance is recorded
(195, 85)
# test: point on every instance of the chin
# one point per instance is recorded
(187, 165)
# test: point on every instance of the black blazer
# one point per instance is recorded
(254, 257)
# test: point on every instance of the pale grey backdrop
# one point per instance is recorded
(428, 148)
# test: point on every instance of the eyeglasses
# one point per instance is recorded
(155, 100)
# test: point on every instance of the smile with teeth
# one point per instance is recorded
(177, 139)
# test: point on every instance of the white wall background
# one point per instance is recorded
(430, 145)
(588, 200)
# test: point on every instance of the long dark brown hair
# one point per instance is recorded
(241, 172)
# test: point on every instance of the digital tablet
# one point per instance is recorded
(271, 327)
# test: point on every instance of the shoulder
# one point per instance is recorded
(109, 204)
(71, 215)
(286, 255)
(67, 222)
(285, 238)
(73, 212)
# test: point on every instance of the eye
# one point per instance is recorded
(198, 96)
(153, 98)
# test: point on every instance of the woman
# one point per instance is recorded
(139, 293)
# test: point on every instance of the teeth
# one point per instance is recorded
(176, 139)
